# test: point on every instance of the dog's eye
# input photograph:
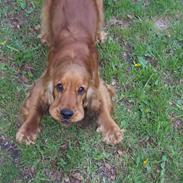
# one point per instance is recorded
(81, 90)
(59, 87)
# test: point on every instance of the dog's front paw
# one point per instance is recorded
(112, 135)
(27, 135)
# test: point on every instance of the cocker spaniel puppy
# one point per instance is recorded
(71, 82)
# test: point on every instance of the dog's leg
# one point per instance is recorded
(31, 113)
(111, 132)
(45, 18)
(101, 34)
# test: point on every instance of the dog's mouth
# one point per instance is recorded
(66, 122)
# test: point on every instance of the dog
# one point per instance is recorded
(71, 83)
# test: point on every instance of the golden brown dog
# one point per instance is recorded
(71, 82)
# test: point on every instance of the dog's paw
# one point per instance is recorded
(111, 135)
(102, 36)
(27, 136)
(43, 38)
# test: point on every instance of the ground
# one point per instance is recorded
(142, 58)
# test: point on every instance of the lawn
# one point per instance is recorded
(142, 58)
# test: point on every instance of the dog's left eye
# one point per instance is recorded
(59, 87)
(81, 90)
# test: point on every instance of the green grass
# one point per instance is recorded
(142, 60)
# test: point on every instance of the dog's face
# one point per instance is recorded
(69, 89)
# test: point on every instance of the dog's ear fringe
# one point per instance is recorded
(92, 99)
(48, 87)
(49, 92)
(94, 67)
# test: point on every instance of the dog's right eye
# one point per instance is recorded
(81, 90)
(59, 87)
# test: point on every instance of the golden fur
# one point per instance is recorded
(71, 82)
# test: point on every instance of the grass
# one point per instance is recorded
(142, 58)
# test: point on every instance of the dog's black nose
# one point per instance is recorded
(66, 113)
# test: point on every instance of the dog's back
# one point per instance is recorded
(75, 15)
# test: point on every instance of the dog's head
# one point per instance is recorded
(68, 89)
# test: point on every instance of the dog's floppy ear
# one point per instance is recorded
(94, 68)
(93, 101)
(48, 87)
(49, 92)
(48, 84)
